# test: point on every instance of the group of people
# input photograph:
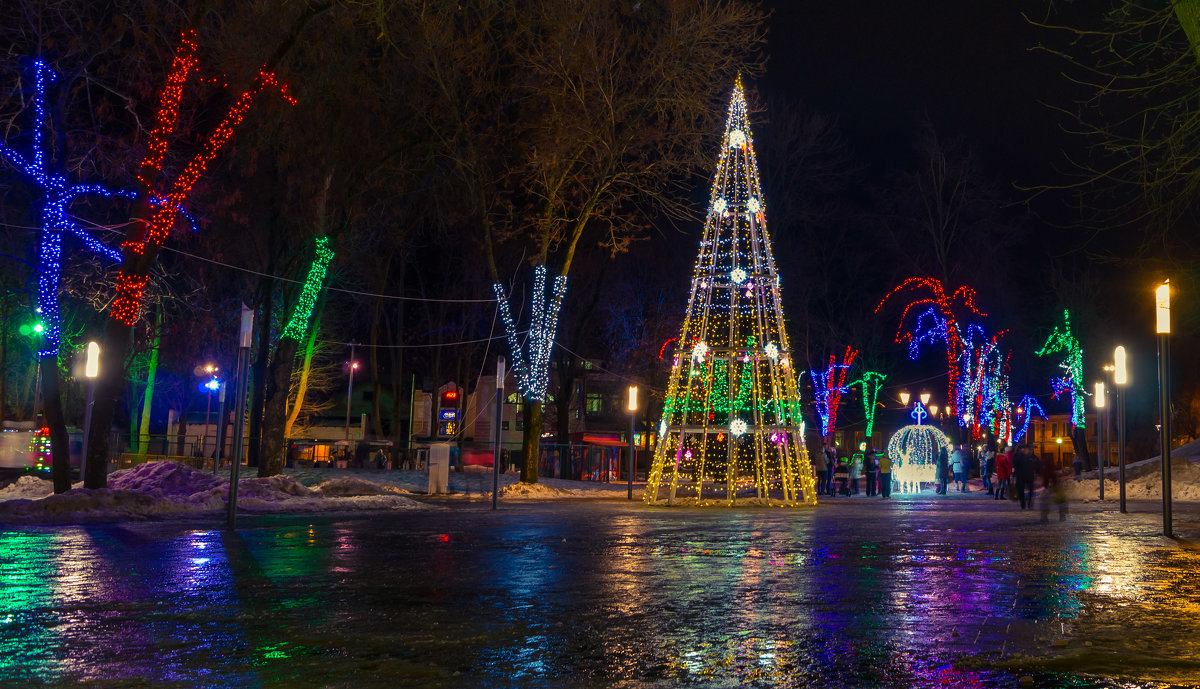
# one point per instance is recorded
(843, 476)
(1011, 473)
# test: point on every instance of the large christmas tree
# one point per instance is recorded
(732, 427)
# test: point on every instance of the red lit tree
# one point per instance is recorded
(161, 205)
(941, 319)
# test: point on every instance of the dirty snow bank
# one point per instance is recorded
(1143, 481)
(471, 484)
(27, 487)
(159, 489)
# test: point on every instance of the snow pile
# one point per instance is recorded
(85, 505)
(164, 480)
(1143, 481)
(157, 489)
(349, 487)
(27, 487)
(539, 491)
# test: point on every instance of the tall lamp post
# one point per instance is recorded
(1162, 310)
(245, 335)
(497, 428)
(1121, 380)
(632, 408)
(91, 371)
(210, 386)
(1100, 431)
(349, 389)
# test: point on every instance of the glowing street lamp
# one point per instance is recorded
(904, 398)
(631, 406)
(1162, 312)
(91, 371)
(1121, 380)
(925, 398)
(1101, 428)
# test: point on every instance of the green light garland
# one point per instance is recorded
(297, 325)
(870, 383)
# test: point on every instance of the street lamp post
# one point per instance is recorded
(91, 371)
(497, 430)
(1100, 431)
(245, 334)
(1121, 380)
(349, 390)
(632, 408)
(1162, 309)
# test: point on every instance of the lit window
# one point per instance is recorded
(595, 403)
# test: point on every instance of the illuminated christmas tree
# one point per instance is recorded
(732, 427)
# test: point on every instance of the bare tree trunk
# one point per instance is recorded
(258, 375)
(143, 440)
(60, 444)
(302, 389)
(109, 388)
(531, 441)
(279, 381)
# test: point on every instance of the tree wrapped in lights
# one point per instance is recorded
(279, 375)
(870, 384)
(829, 386)
(940, 321)
(1063, 341)
(732, 419)
(58, 194)
(161, 205)
(983, 380)
(1026, 408)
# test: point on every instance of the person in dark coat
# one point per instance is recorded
(1024, 471)
(943, 469)
(870, 467)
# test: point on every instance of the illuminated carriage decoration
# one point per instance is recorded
(914, 451)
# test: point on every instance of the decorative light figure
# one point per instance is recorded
(737, 139)
(720, 205)
(737, 428)
(772, 351)
(737, 275)
(1026, 408)
(753, 205)
(699, 351)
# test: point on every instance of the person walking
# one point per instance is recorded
(958, 465)
(1052, 490)
(1024, 470)
(1004, 469)
(870, 468)
(986, 468)
(885, 475)
(819, 470)
(856, 472)
(942, 470)
(830, 465)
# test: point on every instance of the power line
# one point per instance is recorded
(413, 346)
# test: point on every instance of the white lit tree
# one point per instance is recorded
(732, 427)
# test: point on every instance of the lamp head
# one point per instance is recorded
(904, 398)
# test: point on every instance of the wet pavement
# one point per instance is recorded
(857, 592)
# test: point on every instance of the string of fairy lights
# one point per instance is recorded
(297, 325)
(131, 283)
(531, 362)
(829, 386)
(57, 196)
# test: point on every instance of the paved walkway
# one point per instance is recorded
(911, 592)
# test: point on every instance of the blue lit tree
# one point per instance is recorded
(57, 225)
